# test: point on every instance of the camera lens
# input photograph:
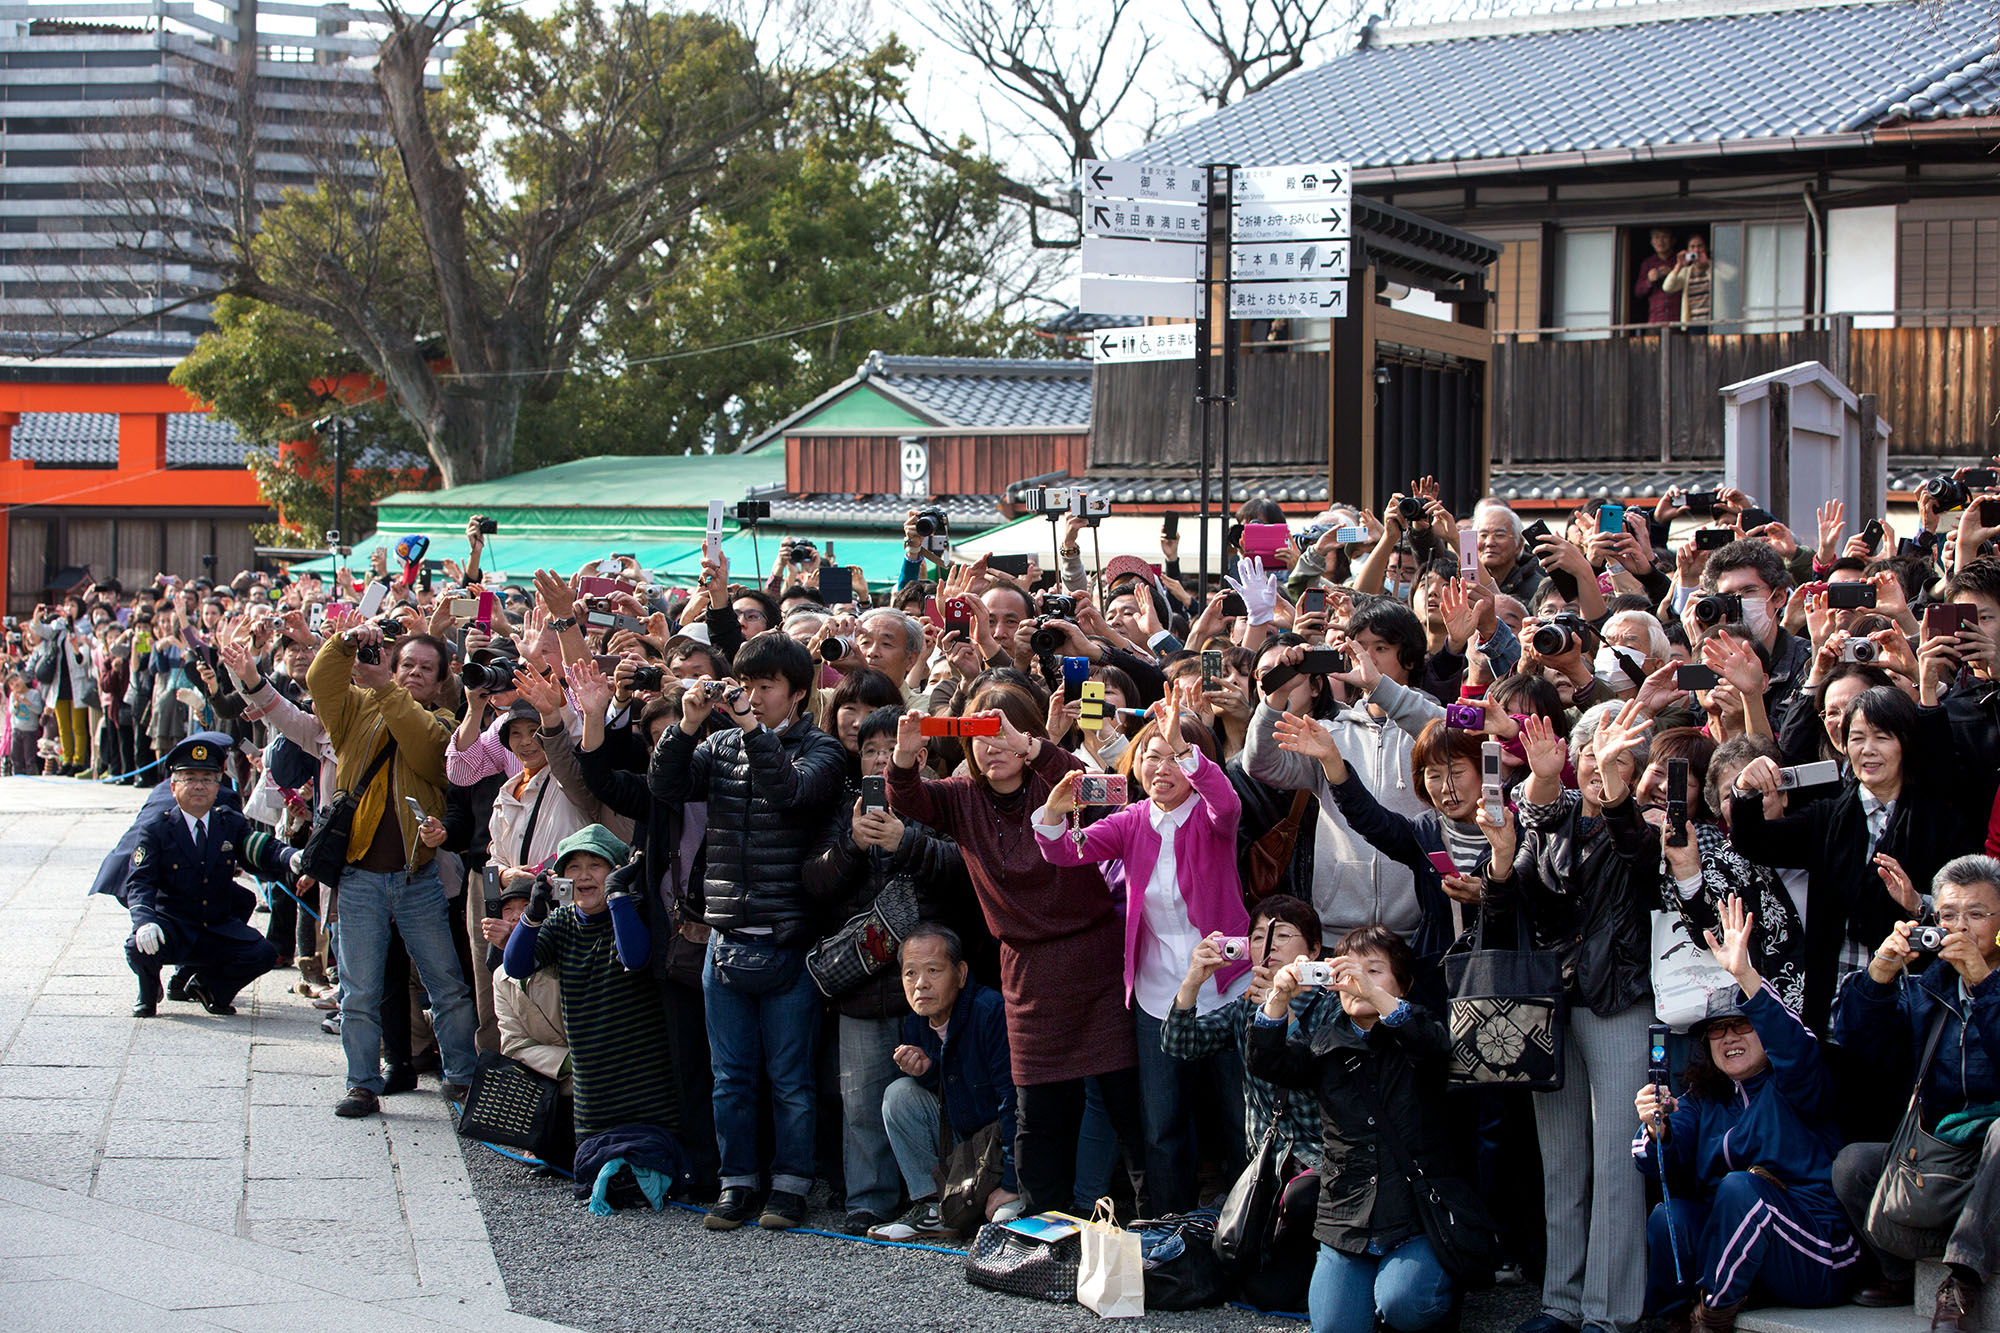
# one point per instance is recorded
(648, 678)
(1552, 641)
(836, 649)
(925, 525)
(1047, 640)
(1863, 651)
(1410, 509)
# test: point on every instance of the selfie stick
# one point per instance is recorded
(1666, 1195)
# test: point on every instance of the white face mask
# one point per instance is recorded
(1401, 591)
(1610, 671)
(1757, 615)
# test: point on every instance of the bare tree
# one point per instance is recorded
(1074, 79)
(1257, 42)
(462, 239)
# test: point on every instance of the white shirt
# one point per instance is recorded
(195, 826)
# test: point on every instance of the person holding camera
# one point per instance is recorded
(1378, 1073)
(1746, 1156)
(1890, 826)
(1061, 942)
(770, 783)
(1585, 867)
(377, 707)
(1889, 1014)
(1178, 847)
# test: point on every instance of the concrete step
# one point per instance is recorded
(1855, 1319)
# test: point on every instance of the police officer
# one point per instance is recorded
(186, 905)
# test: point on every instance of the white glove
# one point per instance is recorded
(1258, 590)
(296, 863)
(148, 938)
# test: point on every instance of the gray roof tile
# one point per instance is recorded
(194, 439)
(1653, 80)
(987, 391)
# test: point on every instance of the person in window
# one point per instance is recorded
(1747, 1155)
(1693, 277)
(1662, 306)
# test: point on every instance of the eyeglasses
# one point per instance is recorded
(208, 779)
(1964, 918)
(1739, 1027)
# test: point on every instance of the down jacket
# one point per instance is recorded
(770, 799)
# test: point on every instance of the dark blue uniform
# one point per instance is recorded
(192, 896)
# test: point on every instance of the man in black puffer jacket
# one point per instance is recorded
(772, 783)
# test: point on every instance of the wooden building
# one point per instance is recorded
(1837, 159)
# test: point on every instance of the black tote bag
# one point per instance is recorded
(1507, 1014)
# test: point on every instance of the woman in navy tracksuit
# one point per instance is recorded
(1749, 1159)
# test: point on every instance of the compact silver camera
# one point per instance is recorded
(1315, 971)
(1928, 939)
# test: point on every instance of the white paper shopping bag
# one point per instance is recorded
(1111, 1280)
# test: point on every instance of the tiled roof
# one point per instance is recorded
(969, 513)
(1648, 79)
(1562, 483)
(194, 439)
(1079, 321)
(1177, 486)
(985, 391)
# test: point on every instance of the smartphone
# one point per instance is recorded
(1979, 478)
(957, 615)
(1848, 596)
(1656, 1054)
(1492, 792)
(463, 608)
(1232, 605)
(1170, 525)
(597, 585)
(1442, 863)
(1263, 541)
(611, 620)
(1713, 539)
(874, 793)
(1611, 518)
(1076, 671)
(1699, 502)
(836, 585)
(1533, 533)
(961, 727)
(1808, 775)
(1016, 565)
(1944, 619)
(372, 599)
(1677, 802)
(711, 542)
(1754, 517)
(483, 616)
(1350, 536)
(1211, 668)
(1313, 602)
(1100, 789)
(1325, 662)
(1989, 513)
(1695, 676)
(1092, 710)
(1871, 534)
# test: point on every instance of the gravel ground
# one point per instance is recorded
(637, 1270)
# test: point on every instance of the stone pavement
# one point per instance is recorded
(187, 1171)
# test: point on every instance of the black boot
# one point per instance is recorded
(177, 985)
(149, 994)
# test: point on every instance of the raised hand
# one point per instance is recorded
(1258, 590)
(592, 689)
(1897, 881)
(545, 696)
(1546, 751)
(1732, 949)
(1832, 522)
(1304, 735)
(909, 739)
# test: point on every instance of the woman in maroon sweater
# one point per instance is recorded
(1062, 946)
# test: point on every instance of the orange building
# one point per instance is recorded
(107, 468)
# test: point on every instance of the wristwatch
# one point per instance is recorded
(561, 623)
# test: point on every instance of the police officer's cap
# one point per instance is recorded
(196, 754)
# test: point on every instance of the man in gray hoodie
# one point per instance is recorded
(1353, 885)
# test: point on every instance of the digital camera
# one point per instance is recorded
(1927, 939)
(1236, 948)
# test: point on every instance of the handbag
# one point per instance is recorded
(325, 852)
(1243, 1226)
(1111, 1267)
(1925, 1181)
(507, 1103)
(1266, 860)
(1034, 1256)
(867, 942)
(1507, 1015)
(1182, 1272)
(1462, 1233)
(1685, 973)
(967, 1172)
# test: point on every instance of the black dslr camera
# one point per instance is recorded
(489, 671)
(1057, 606)
(1716, 607)
(1562, 632)
(392, 630)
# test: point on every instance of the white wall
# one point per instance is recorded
(1861, 263)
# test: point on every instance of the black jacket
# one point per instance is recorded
(770, 799)
(1363, 1195)
(844, 879)
(1589, 894)
(1828, 839)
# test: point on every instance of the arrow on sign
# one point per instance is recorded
(1100, 178)
(1100, 216)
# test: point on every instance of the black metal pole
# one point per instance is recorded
(1201, 373)
(1228, 333)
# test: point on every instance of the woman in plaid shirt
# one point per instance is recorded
(1282, 930)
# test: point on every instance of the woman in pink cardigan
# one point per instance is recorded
(1178, 846)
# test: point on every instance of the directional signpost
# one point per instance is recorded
(1290, 246)
(1155, 342)
(1145, 239)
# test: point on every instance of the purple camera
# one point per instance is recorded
(1466, 717)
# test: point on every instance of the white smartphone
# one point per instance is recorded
(372, 598)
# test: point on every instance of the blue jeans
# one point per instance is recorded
(910, 1114)
(762, 1026)
(867, 1068)
(1407, 1286)
(369, 901)
(1168, 1088)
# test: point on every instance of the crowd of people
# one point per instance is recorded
(1103, 887)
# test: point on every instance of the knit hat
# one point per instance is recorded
(595, 839)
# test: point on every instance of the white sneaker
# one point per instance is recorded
(1008, 1212)
(920, 1223)
(330, 1025)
